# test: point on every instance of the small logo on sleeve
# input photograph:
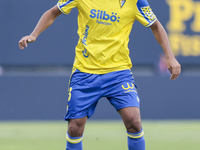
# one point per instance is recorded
(148, 13)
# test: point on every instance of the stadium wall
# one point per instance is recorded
(43, 98)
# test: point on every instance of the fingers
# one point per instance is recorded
(174, 67)
(173, 77)
(175, 72)
(25, 40)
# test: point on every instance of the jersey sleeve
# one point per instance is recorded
(65, 6)
(145, 14)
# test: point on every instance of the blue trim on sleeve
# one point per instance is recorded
(151, 23)
(140, 4)
(69, 1)
(143, 4)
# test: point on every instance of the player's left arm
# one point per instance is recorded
(162, 38)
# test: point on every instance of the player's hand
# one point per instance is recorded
(25, 40)
(174, 67)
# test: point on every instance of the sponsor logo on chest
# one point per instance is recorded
(103, 17)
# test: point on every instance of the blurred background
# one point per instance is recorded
(34, 81)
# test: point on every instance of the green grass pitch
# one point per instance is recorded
(99, 135)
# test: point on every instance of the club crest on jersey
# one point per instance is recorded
(122, 2)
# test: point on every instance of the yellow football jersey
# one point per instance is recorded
(104, 27)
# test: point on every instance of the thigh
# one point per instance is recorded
(121, 90)
(131, 118)
(83, 95)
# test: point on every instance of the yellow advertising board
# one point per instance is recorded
(184, 27)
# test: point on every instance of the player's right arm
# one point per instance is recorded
(45, 21)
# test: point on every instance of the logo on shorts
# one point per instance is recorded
(129, 88)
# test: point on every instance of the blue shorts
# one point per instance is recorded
(86, 89)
